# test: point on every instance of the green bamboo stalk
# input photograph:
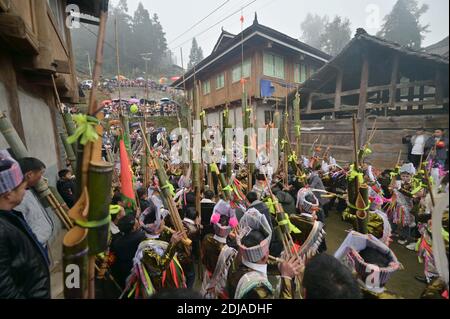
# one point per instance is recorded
(362, 214)
(75, 252)
(99, 188)
(70, 128)
(11, 137)
(69, 151)
(297, 122)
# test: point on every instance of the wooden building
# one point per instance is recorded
(35, 44)
(374, 78)
(271, 63)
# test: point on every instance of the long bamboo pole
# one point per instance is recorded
(92, 110)
(298, 145)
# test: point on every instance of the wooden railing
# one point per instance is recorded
(395, 101)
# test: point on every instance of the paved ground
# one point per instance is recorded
(403, 281)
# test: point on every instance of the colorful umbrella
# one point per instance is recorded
(134, 101)
(162, 80)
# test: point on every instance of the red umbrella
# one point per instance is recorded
(175, 78)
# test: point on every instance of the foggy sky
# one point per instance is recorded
(176, 16)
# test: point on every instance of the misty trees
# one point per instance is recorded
(148, 37)
(336, 35)
(402, 24)
(329, 36)
(196, 54)
(312, 28)
(137, 34)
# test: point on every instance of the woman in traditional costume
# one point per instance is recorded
(216, 255)
(372, 262)
(155, 264)
(249, 280)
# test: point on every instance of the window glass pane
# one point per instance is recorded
(279, 67)
(268, 65)
(303, 74)
(247, 68)
(206, 87)
(297, 73)
(236, 74)
(220, 81)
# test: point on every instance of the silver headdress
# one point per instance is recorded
(254, 220)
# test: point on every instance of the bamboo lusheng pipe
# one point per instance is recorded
(11, 137)
(68, 122)
(222, 181)
(60, 212)
(297, 124)
(99, 188)
(196, 167)
(88, 152)
(430, 187)
(19, 150)
(162, 177)
(69, 151)
(166, 193)
(75, 252)
(186, 242)
(75, 248)
(227, 125)
(362, 214)
(70, 128)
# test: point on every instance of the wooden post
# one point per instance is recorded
(43, 61)
(421, 96)
(309, 106)
(439, 87)
(411, 92)
(363, 99)
(394, 80)
(337, 98)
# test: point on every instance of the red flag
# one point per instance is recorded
(242, 19)
(126, 176)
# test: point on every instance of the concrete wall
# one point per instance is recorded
(39, 133)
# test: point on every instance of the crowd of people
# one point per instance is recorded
(238, 242)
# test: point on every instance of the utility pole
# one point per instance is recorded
(146, 57)
(89, 64)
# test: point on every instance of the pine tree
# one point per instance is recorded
(159, 43)
(402, 25)
(196, 54)
(137, 34)
(336, 35)
(312, 28)
(142, 27)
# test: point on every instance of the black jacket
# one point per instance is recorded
(67, 191)
(441, 153)
(24, 272)
(207, 210)
(124, 248)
